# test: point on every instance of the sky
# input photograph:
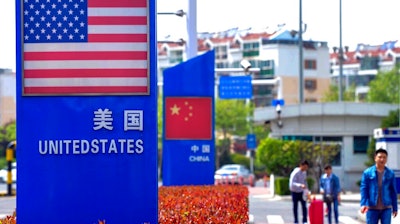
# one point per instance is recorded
(363, 21)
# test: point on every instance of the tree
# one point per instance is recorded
(230, 119)
(332, 95)
(278, 158)
(7, 134)
(385, 87)
(392, 120)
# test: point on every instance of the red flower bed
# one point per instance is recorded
(196, 205)
(203, 204)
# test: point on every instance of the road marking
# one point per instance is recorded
(251, 218)
(275, 219)
(348, 220)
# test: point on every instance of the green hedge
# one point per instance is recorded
(282, 185)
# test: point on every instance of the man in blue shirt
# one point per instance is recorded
(330, 188)
(378, 191)
(298, 184)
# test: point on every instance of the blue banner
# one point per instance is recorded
(188, 130)
(235, 87)
(87, 148)
(251, 141)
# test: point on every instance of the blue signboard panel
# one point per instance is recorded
(235, 87)
(87, 148)
(276, 102)
(251, 141)
(188, 139)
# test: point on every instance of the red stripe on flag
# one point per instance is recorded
(86, 90)
(117, 38)
(90, 55)
(84, 73)
(119, 3)
(117, 20)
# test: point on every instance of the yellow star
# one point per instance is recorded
(175, 110)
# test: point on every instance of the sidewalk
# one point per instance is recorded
(352, 197)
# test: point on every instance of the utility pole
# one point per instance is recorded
(340, 54)
(301, 85)
(191, 26)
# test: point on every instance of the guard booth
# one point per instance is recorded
(389, 139)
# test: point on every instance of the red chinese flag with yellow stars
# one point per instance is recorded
(188, 118)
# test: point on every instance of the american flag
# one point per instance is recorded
(85, 47)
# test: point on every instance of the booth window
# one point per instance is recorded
(360, 144)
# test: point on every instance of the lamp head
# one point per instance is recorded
(246, 65)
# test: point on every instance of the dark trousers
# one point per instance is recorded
(335, 204)
(296, 198)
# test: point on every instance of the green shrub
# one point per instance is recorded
(282, 186)
(310, 183)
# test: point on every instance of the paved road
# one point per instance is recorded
(268, 209)
(264, 209)
(7, 203)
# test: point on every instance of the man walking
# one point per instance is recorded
(298, 184)
(378, 191)
(330, 189)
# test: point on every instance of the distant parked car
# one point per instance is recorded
(4, 173)
(234, 174)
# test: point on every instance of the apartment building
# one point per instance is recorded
(7, 96)
(275, 54)
(361, 65)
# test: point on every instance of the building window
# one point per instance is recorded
(369, 63)
(360, 144)
(251, 49)
(266, 68)
(397, 60)
(310, 64)
(175, 56)
(221, 52)
(310, 84)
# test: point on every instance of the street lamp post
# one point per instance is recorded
(340, 53)
(301, 97)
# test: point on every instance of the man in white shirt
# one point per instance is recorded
(298, 184)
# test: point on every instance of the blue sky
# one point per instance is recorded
(364, 21)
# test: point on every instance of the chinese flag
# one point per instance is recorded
(188, 118)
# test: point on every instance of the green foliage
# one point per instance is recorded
(230, 119)
(332, 94)
(385, 87)
(392, 120)
(231, 115)
(276, 156)
(370, 153)
(310, 182)
(282, 186)
(281, 157)
(160, 119)
(240, 159)
(7, 134)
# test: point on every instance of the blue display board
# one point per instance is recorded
(251, 141)
(235, 87)
(87, 113)
(188, 130)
